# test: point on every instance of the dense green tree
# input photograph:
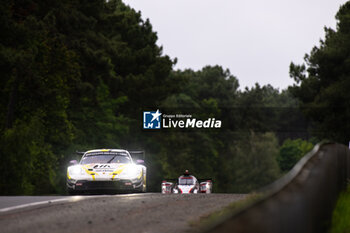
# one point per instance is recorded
(291, 152)
(35, 96)
(266, 109)
(252, 162)
(322, 84)
(74, 75)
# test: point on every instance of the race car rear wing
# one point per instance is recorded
(199, 180)
(205, 180)
(137, 154)
(171, 180)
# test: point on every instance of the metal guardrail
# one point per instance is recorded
(301, 201)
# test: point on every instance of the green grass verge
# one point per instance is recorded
(341, 214)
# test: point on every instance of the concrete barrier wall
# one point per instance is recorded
(300, 202)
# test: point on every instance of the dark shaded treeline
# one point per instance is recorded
(77, 75)
(323, 81)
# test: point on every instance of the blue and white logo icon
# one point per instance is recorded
(151, 120)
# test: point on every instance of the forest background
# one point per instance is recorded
(78, 74)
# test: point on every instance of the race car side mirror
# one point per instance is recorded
(73, 162)
(140, 161)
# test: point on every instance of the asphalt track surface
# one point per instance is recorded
(124, 213)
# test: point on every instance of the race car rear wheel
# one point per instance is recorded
(71, 191)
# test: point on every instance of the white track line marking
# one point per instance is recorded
(33, 204)
(67, 199)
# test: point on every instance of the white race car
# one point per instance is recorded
(187, 184)
(106, 170)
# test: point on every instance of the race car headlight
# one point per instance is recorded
(131, 172)
(75, 170)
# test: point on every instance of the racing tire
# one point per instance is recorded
(144, 188)
(72, 192)
(144, 185)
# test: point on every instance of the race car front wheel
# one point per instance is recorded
(71, 191)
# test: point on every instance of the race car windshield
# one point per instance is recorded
(105, 158)
(186, 181)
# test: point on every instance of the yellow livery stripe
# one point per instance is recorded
(119, 170)
(140, 175)
(90, 172)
